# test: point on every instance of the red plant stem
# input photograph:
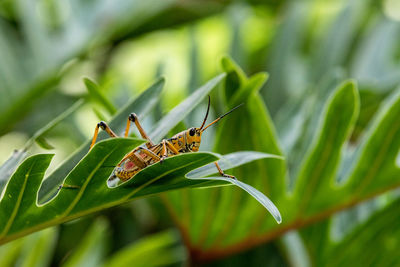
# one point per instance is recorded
(201, 255)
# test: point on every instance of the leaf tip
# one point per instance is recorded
(88, 82)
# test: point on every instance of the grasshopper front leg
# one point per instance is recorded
(105, 128)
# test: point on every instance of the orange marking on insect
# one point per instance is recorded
(141, 157)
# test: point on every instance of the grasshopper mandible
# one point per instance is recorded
(143, 156)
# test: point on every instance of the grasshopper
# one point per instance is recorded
(143, 156)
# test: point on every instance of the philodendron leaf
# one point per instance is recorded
(260, 197)
(161, 249)
(380, 232)
(210, 219)
(38, 248)
(375, 167)
(86, 189)
(34, 250)
(238, 159)
(92, 247)
(318, 173)
(141, 105)
(97, 95)
(8, 167)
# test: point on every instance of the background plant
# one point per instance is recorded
(339, 136)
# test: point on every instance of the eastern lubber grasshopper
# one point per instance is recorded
(143, 156)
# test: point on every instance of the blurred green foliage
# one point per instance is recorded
(330, 106)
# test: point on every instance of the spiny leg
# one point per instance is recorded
(164, 151)
(165, 146)
(222, 172)
(134, 118)
(105, 128)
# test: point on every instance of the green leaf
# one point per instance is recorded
(333, 50)
(141, 105)
(97, 95)
(38, 136)
(373, 63)
(260, 197)
(210, 218)
(374, 168)
(34, 250)
(8, 167)
(9, 252)
(90, 192)
(86, 190)
(380, 232)
(38, 248)
(285, 63)
(33, 55)
(177, 114)
(161, 249)
(92, 248)
(318, 173)
(43, 143)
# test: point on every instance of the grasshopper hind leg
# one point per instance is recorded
(105, 128)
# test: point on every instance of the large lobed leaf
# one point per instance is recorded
(86, 190)
(225, 216)
(325, 183)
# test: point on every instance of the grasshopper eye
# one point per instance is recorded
(192, 131)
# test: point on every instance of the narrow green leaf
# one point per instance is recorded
(380, 232)
(285, 64)
(317, 176)
(260, 197)
(9, 252)
(295, 250)
(38, 248)
(333, 50)
(38, 136)
(253, 85)
(92, 248)
(97, 95)
(374, 166)
(230, 161)
(235, 76)
(373, 63)
(8, 167)
(180, 111)
(161, 249)
(42, 142)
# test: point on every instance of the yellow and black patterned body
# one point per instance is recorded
(140, 157)
(143, 156)
(187, 141)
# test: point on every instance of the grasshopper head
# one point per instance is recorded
(193, 135)
(193, 138)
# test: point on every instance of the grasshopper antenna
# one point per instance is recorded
(220, 117)
(208, 109)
